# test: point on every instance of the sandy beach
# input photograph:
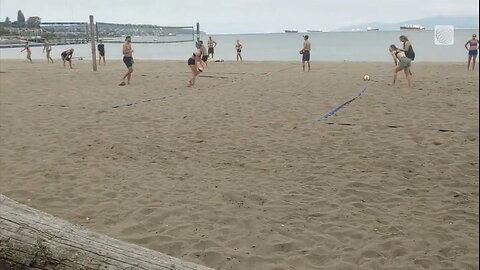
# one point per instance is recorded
(237, 173)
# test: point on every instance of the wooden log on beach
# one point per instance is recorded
(31, 239)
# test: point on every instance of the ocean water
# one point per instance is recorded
(330, 46)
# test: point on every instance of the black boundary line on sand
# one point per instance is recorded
(179, 94)
(128, 104)
(138, 102)
(339, 107)
(336, 109)
(442, 130)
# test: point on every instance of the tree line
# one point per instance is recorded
(31, 22)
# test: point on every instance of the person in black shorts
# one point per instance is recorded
(211, 46)
(305, 52)
(238, 48)
(193, 62)
(67, 56)
(204, 54)
(101, 51)
(127, 59)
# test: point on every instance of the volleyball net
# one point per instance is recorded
(66, 31)
(143, 33)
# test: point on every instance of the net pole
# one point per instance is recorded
(92, 40)
(198, 32)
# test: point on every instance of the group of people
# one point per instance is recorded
(197, 62)
(47, 48)
(65, 55)
(402, 57)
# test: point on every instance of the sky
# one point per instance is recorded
(239, 16)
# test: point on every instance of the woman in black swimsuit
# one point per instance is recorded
(239, 47)
(192, 63)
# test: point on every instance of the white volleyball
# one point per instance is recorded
(366, 78)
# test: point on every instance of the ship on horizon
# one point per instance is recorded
(315, 31)
(412, 27)
(291, 30)
(372, 29)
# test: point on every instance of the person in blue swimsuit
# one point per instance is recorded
(472, 48)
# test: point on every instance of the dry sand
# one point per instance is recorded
(236, 173)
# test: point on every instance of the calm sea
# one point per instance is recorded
(331, 46)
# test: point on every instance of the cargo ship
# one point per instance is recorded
(372, 29)
(291, 31)
(412, 27)
(315, 31)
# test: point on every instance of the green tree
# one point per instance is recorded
(20, 17)
(7, 21)
(34, 22)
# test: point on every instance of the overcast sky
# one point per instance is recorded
(239, 16)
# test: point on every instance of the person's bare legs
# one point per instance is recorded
(29, 57)
(408, 75)
(474, 61)
(308, 62)
(195, 72)
(397, 69)
(49, 58)
(303, 66)
(128, 75)
(469, 61)
(130, 71)
(70, 63)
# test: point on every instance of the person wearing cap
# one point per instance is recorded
(305, 52)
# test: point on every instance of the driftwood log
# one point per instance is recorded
(31, 239)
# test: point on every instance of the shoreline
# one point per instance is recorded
(88, 58)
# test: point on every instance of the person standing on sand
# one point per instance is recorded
(67, 56)
(101, 52)
(127, 59)
(48, 48)
(472, 51)
(238, 48)
(211, 46)
(402, 62)
(408, 49)
(29, 52)
(193, 63)
(305, 52)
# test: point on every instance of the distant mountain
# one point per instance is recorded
(466, 22)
